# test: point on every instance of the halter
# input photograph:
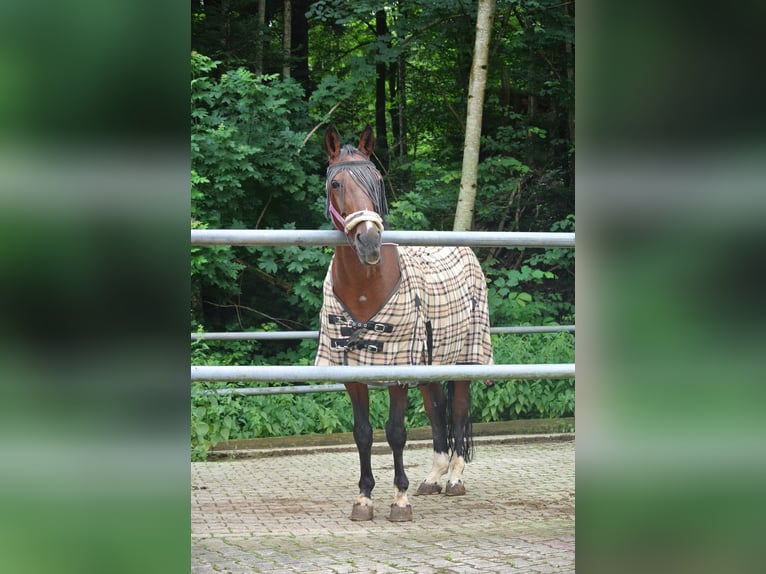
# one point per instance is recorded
(372, 187)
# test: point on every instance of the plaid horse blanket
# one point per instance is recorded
(436, 315)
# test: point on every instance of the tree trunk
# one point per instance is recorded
(299, 49)
(381, 133)
(259, 45)
(393, 107)
(287, 40)
(569, 50)
(401, 93)
(476, 86)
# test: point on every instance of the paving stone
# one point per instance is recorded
(291, 514)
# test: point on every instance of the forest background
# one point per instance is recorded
(268, 75)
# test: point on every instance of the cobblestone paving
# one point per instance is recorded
(290, 514)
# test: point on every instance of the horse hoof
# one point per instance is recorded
(400, 513)
(457, 489)
(429, 488)
(361, 512)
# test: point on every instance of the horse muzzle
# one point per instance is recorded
(367, 245)
(367, 239)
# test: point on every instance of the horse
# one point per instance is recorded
(392, 305)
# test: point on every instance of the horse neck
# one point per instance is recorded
(364, 289)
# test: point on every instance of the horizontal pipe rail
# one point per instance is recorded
(292, 390)
(402, 373)
(332, 237)
(256, 335)
(288, 335)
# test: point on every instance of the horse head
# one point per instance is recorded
(356, 199)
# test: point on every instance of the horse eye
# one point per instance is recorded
(335, 184)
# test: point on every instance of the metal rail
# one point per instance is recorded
(404, 374)
(288, 335)
(388, 373)
(332, 237)
(291, 390)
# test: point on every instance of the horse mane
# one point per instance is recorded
(364, 173)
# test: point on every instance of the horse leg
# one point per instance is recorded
(435, 404)
(460, 399)
(396, 434)
(360, 401)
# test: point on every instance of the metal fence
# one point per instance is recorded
(409, 374)
(290, 335)
(333, 237)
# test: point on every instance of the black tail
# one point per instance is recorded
(467, 438)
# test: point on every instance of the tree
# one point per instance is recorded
(406, 66)
(414, 68)
(286, 37)
(476, 88)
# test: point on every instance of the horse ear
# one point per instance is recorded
(331, 142)
(367, 141)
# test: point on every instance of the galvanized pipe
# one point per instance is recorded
(287, 335)
(533, 329)
(402, 373)
(293, 390)
(256, 335)
(332, 237)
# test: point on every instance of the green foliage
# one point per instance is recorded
(523, 399)
(250, 170)
(510, 302)
(300, 273)
(246, 135)
(216, 418)
(255, 166)
(533, 293)
(430, 204)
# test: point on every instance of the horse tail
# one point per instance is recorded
(467, 434)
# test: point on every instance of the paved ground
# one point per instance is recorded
(290, 513)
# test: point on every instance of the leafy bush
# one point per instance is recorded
(526, 399)
(217, 418)
(250, 170)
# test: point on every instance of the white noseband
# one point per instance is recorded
(360, 216)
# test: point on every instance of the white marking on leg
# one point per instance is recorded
(457, 466)
(439, 467)
(363, 500)
(400, 499)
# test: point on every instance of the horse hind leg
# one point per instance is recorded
(460, 435)
(455, 485)
(435, 403)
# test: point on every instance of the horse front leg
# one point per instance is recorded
(460, 435)
(435, 404)
(360, 402)
(396, 434)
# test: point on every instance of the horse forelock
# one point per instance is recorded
(349, 150)
(364, 173)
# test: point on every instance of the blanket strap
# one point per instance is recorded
(350, 327)
(359, 344)
(430, 341)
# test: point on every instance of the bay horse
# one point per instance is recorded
(391, 305)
